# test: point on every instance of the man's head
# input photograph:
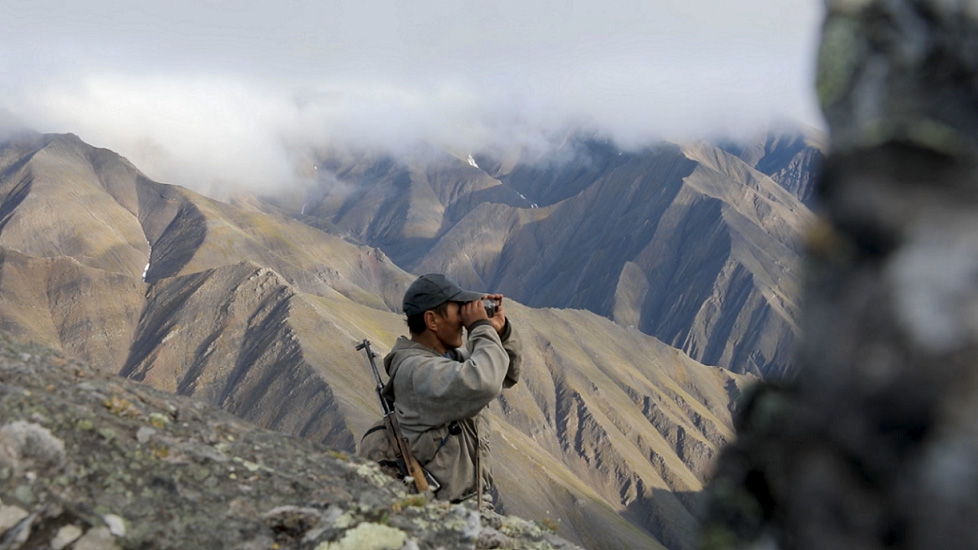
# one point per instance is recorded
(432, 290)
(432, 303)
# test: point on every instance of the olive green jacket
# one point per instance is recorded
(441, 401)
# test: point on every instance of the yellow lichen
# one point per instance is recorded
(417, 501)
(368, 536)
(158, 420)
(249, 465)
(121, 406)
(345, 520)
(372, 474)
(338, 454)
(550, 524)
(159, 451)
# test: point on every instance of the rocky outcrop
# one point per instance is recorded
(89, 460)
(873, 446)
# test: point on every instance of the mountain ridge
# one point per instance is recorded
(591, 219)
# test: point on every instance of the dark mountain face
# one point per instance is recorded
(693, 243)
(609, 434)
(790, 158)
(402, 205)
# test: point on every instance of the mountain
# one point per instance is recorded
(693, 243)
(790, 156)
(610, 434)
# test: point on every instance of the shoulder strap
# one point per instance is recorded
(376, 428)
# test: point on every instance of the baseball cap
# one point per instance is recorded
(432, 290)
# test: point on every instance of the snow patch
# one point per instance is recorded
(148, 258)
(472, 161)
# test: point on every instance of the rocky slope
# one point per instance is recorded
(693, 243)
(610, 435)
(92, 461)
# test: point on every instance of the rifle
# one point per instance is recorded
(406, 463)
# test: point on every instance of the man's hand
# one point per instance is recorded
(474, 311)
(499, 319)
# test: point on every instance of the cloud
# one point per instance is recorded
(206, 133)
(214, 97)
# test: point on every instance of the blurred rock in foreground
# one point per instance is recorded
(93, 461)
(876, 443)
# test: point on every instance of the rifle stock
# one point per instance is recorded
(411, 465)
(406, 463)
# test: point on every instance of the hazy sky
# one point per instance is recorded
(200, 91)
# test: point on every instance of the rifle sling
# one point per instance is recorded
(375, 429)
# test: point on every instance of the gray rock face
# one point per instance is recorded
(875, 444)
(92, 461)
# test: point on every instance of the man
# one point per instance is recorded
(441, 389)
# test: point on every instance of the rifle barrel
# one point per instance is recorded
(407, 463)
(365, 345)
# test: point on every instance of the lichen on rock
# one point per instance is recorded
(368, 536)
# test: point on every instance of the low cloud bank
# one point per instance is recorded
(216, 134)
